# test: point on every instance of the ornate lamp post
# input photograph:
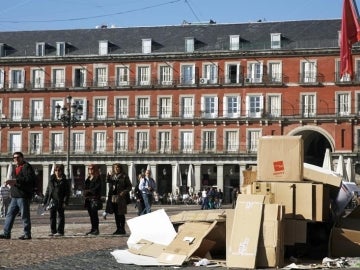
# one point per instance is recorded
(69, 115)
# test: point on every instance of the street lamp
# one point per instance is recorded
(70, 115)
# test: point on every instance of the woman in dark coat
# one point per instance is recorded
(119, 188)
(92, 194)
(57, 198)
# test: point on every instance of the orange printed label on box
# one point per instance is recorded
(278, 167)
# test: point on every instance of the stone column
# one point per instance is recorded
(197, 171)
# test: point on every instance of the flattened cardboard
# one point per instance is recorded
(147, 248)
(199, 215)
(304, 201)
(321, 175)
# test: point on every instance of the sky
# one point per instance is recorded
(24, 15)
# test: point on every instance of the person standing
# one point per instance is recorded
(4, 199)
(21, 191)
(92, 194)
(138, 196)
(147, 186)
(57, 195)
(119, 188)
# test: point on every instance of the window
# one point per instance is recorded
(231, 141)
(2, 115)
(189, 45)
(275, 40)
(17, 78)
(143, 107)
(60, 48)
(82, 102)
(357, 98)
(40, 49)
(121, 142)
(275, 72)
(122, 108)
(142, 142)
(234, 42)
(165, 107)
(100, 108)
(122, 76)
(99, 142)
(346, 77)
(35, 143)
(146, 45)
(54, 103)
(2, 77)
(16, 110)
(308, 105)
(343, 104)
(101, 76)
(57, 142)
(78, 145)
(209, 106)
(273, 105)
(253, 140)
(79, 79)
(165, 75)
(164, 141)
(210, 73)
(143, 75)
(254, 72)
(232, 106)
(254, 106)
(187, 107)
(186, 141)
(233, 73)
(187, 74)
(58, 77)
(208, 141)
(38, 78)
(308, 72)
(103, 47)
(37, 110)
(2, 49)
(15, 142)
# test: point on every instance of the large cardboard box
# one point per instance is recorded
(249, 177)
(295, 231)
(321, 175)
(280, 158)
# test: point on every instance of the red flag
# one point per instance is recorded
(350, 33)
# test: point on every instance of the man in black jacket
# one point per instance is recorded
(22, 187)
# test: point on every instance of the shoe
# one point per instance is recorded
(104, 215)
(89, 232)
(51, 234)
(5, 236)
(96, 232)
(58, 234)
(120, 231)
(25, 237)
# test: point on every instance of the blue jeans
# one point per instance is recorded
(17, 205)
(147, 198)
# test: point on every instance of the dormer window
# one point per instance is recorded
(2, 49)
(275, 40)
(40, 49)
(146, 45)
(234, 42)
(60, 48)
(189, 44)
(103, 47)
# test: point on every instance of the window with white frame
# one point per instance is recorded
(60, 48)
(122, 108)
(232, 106)
(346, 77)
(308, 104)
(79, 77)
(208, 141)
(101, 77)
(99, 142)
(254, 72)
(187, 74)
(40, 49)
(343, 103)
(187, 107)
(209, 106)
(357, 142)
(273, 105)
(37, 110)
(189, 44)
(58, 77)
(308, 71)
(186, 141)
(165, 76)
(275, 40)
(2, 78)
(78, 142)
(121, 141)
(231, 140)
(83, 103)
(54, 103)
(164, 141)
(2, 49)
(143, 107)
(210, 73)
(35, 143)
(275, 72)
(38, 78)
(232, 73)
(122, 76)
(17, 78)
(103, 47)
(357, 100)
(57, 142)
(16, 109)
(100, 108)
(143, 75)
(15, 142)
(146, 45)
(234, 42)
(356, 69)
(253, 136)
(165, 107)
(2, 115)
(142, 141)
(254, 105)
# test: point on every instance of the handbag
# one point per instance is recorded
(52, 204)
(96, 204)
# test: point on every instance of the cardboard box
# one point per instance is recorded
(295, 231)
(249, 177)
(280, 158)
(321, 175)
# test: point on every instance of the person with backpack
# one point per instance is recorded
(22, 188)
